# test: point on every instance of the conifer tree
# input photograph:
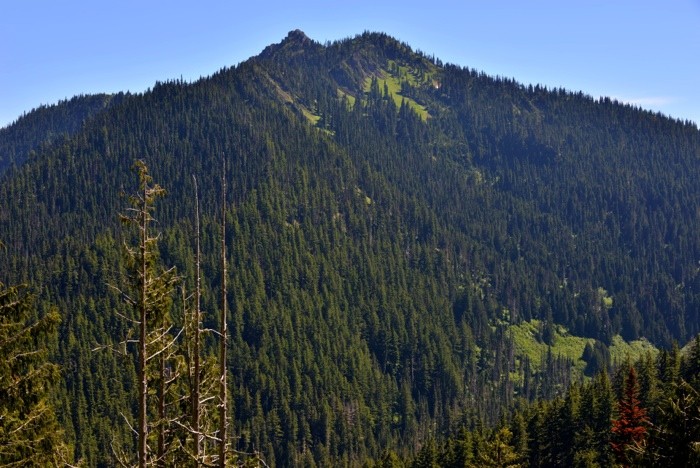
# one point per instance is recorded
(630, 428)
(675, 438)
(499, 451)
(153, 290)
(29, 432)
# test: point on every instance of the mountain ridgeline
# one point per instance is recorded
(45, 125)
(389, 218)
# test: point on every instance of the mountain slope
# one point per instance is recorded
(390, 214)
(45, 125)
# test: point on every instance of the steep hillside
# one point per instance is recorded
(390, 218)
(45, 125)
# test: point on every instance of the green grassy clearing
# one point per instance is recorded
(349, 97)
(621, 350)
(393, 86)
(313, 118)
(527, 343)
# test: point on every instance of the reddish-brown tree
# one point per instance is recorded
(630, 428)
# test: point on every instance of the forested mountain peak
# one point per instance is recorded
(297, 36)
(398, 231)
(294, 43)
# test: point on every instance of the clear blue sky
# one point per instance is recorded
(644, 52)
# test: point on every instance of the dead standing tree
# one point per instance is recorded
(223, 330)
(203, 377)
(156, 342)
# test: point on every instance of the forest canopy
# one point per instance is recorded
(414, 251)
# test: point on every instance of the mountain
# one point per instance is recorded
(46, 124)
(390, 219)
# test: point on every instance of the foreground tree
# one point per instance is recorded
(153, 288)
(629, 430)
(29, 432)
(200, 425)
(223, 331)
(499, 452)
(675, 439)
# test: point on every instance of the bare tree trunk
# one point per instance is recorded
(152, 289)
(160, 460)
(143, 380)
(223, 390)
(198, 319)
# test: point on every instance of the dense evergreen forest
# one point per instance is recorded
(44, 126)
(648, 414)
(390, 223)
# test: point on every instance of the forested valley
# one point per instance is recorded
(416, 263)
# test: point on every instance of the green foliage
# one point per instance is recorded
(150, 299)
(46, 125)
(29, 432)
(588, 355)
(499, 452)
(378, 259)
(588, 426)
(621, 350)
(388, 86)
(527, 343)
